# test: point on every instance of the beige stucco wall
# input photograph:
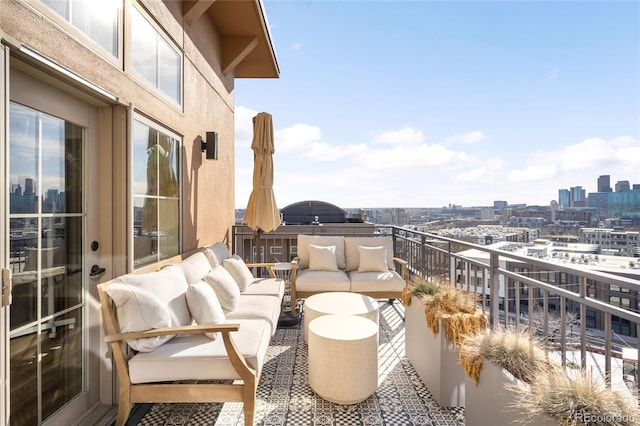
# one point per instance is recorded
(208, 185)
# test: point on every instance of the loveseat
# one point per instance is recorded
(364, 265)
(196, 320)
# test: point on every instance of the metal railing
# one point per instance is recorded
(551, 298)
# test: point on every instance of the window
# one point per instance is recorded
(156, 193)
(154, 59)
(97, 19)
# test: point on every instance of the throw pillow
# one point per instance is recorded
(322, 258)
(147, 301)
(204, 305)
(239, 271)
(372, 259)
(224, 286)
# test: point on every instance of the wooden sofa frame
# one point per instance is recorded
(188, 392)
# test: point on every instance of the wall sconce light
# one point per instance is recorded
(210, 146)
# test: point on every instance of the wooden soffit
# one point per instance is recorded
(247, 49)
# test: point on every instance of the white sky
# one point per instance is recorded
(427, 103)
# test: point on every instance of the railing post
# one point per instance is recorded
(583, 324)
(494, 292)
(423, 255)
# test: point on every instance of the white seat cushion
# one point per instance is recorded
(320, 240)
(195, 267)
(198, 357)
(352, 254)
(317, 281)
(266, 287)
(376, 281)
(257, 307)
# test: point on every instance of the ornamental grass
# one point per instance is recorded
(442, 301)
(577, 398)
(514, 350)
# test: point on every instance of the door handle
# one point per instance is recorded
(96, 270)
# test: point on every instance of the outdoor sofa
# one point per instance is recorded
(364, 265)
(196, 330)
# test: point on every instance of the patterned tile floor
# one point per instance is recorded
(285, 398)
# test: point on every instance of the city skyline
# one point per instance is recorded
(412, 104)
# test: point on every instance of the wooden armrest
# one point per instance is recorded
(403, 266)
(165, 331)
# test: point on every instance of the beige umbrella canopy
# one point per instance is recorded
(262, 211)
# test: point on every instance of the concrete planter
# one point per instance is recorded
(491, 403)
(434, 358)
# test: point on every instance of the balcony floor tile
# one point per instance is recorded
(285, 398)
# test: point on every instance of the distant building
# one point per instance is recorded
(604, 183)
(623, 185)
(564, 197)
(611, 241)
(577, 256)
(499, 206)
(578, 197)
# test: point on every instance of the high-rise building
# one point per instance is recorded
(623, 185)
(604, 183)
(578, 198)
(564, 197)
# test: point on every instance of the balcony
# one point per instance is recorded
(564, 302)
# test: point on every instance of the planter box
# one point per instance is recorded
(490, 403)
(434, 358)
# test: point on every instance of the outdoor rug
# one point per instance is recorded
(285, 398)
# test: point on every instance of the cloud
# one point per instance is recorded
(403, 136)
(489, 170)
(533, 173)
(465, 138)
(244, 126)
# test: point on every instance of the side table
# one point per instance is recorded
(288, 315)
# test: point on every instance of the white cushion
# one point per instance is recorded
(195, 267)
(322, 258)
(204, 305)
(320, 240)
(314, 281)
(368, 282)
(147, 301)
(239, 271)
(352, 254)
(217, 253)
(197, 357)
(224, 286)
(266, 287)
(257, 307)
(372, 259)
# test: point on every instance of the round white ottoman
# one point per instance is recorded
(343, 358)
(338, 303)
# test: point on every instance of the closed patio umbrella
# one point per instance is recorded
(262, 212)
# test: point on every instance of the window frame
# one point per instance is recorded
(139, 77)
(83, 38)
(138, 116)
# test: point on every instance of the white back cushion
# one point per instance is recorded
(352, 253)
(147, 301)
(224, 286)
(322, 258)
(239, 271)
(217, 253)
(372, 259)
(320, 240)
(204, 305)
(195, 267)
